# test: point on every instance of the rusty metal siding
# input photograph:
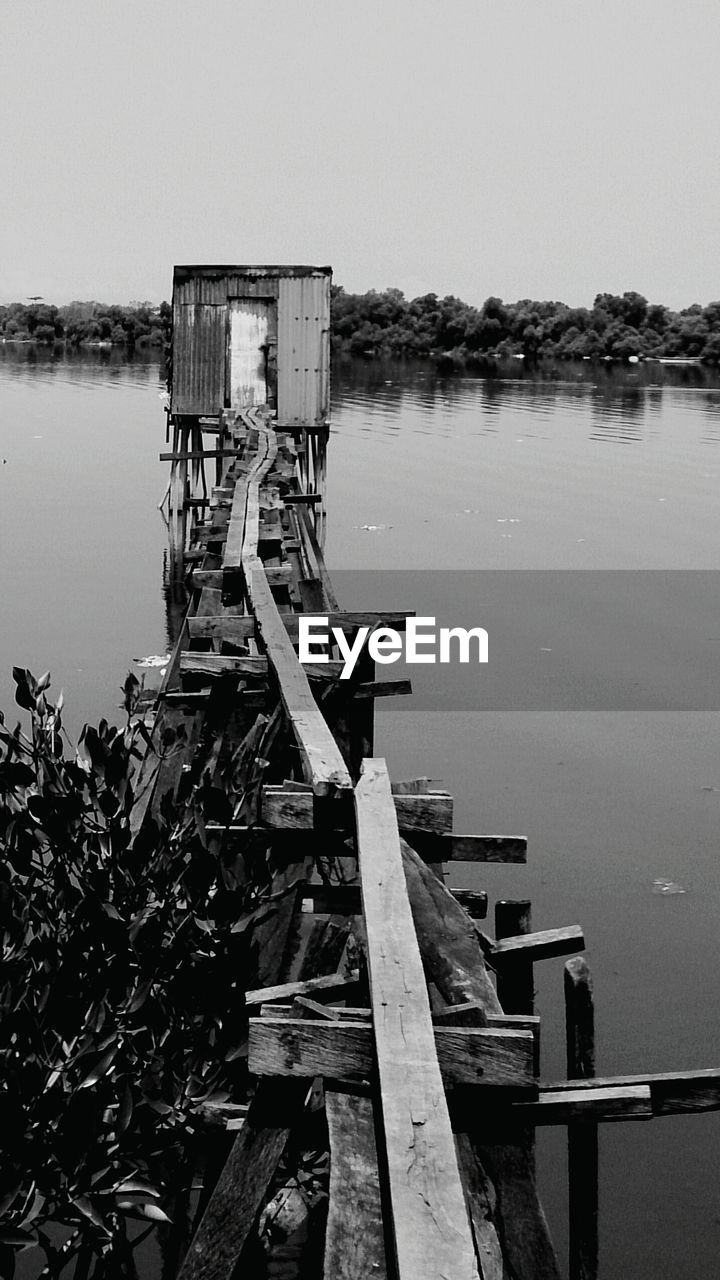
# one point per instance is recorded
(201, 297)
(303, 349)
(199, 330)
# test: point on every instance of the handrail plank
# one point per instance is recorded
(430, 1224)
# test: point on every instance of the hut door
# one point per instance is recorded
(252, 347)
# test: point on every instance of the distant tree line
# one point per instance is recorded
(615, 327)
(141, 324)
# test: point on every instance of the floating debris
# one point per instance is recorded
(667, 887)
(153, 660)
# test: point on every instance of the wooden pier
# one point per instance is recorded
(377, 1002)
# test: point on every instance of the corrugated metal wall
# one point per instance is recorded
(200, 337)
(199, 340)
(303, 349)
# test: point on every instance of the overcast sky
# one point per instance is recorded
(525, 148)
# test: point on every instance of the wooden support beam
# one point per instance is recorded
(343, 1050)
(515, 981)
(198, 455)
(429, 1218)
(540, 946)
(583, 1194)
(354, 1235)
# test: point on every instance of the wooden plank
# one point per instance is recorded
(429, 1218)
(343, 1050)
(330, 985)
(218, 664)
(542, 945)
(354, 1235)
(672, 1092)
(602, 1102)
(354, 1013)
(453, 959)
(323, 763)
(222, 627)
(432, 813)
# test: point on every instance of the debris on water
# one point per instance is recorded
(372, 528)
(667, 887)
(153, 660)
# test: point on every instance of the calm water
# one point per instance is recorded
(577, 468)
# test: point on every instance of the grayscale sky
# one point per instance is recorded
(525, 148)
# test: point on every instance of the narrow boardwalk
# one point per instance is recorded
(371, 977)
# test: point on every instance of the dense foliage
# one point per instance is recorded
(614, 327)
(121, 983)
(140, 324)
(388, 324)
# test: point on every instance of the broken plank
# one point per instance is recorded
(542, 945)
(429, 1218)
(330, 985)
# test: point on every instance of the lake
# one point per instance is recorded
(569, 468)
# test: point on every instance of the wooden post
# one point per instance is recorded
(582, 1138)
(515, 984)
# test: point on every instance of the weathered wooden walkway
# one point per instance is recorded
(373, 976)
